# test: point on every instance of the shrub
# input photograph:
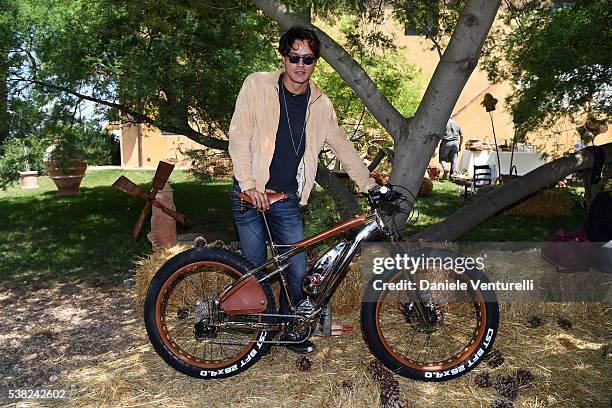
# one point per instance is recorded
(20, 155)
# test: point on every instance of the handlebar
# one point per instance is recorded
(384, 193)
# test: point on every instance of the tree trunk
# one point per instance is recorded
(345, 200)
(419, 139)
(468, 217)
(4, 113)
(415, 139)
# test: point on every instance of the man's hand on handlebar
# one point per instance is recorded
(260, 200)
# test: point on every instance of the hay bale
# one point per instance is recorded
(147, 267)
(547, 203)
(346, 300)
(571, 369)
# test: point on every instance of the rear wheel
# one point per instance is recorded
(429, 335)
(182, 317)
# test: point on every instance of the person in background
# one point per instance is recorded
(586, 139)
(449, 148)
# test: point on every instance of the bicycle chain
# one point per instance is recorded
(245, 342)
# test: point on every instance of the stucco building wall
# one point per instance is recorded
(155, 146)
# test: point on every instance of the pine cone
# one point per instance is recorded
(502, 403)
(347, 385)
(506, 387)
(483, 380)
(389, 386)
(376, 369)
(389, 393)
(217, 243)
(564, 323)
(535, 320)
(523, 377)
(494, 358)
(303, 363)
(405, 404)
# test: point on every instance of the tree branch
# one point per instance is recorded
(457, 63)
(382, 152)
(206, 140)
(345, 200)
(469, 216)
(348, 69)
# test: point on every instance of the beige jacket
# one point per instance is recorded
(252, 136)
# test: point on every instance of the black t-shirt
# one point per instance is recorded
(285, 161)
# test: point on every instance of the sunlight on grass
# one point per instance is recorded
(89, 235)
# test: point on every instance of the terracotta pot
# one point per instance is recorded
(426, 188)
(67, 178)
(29, 179)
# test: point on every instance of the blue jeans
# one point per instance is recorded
(448, 153)
(286, 225)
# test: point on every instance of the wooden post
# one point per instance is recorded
(163, 227)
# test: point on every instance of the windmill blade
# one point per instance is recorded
(162, 174)
(141, 220)
(174, 214)
(127, 186)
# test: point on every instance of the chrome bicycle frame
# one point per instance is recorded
(372, 225)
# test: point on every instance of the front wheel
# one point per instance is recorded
(429, 335)
(184, 323)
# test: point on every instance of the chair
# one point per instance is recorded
(483, 176)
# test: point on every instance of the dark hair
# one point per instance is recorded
(299, 33)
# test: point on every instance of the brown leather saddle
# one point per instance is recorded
(272, 197)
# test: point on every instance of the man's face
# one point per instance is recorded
(299, 72)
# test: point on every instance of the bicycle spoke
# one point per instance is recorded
(195, 291)
(429, 343)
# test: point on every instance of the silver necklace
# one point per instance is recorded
(289, 122)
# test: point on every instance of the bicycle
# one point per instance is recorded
(210, 314)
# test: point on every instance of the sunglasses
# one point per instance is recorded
(295, 59)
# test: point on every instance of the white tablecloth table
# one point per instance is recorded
(524, 161)
(470, 158)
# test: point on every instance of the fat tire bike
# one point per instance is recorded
(210, 314)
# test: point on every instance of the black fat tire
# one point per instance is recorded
(184, 259)
(459, 368)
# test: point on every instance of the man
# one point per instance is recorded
(279, 126)
(449, 148)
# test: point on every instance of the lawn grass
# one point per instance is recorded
(447, 198)
(89, 236)
(45, 237)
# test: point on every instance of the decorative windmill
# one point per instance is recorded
(159, 181)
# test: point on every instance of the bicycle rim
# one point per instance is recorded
(454, 339)
(185, 299)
